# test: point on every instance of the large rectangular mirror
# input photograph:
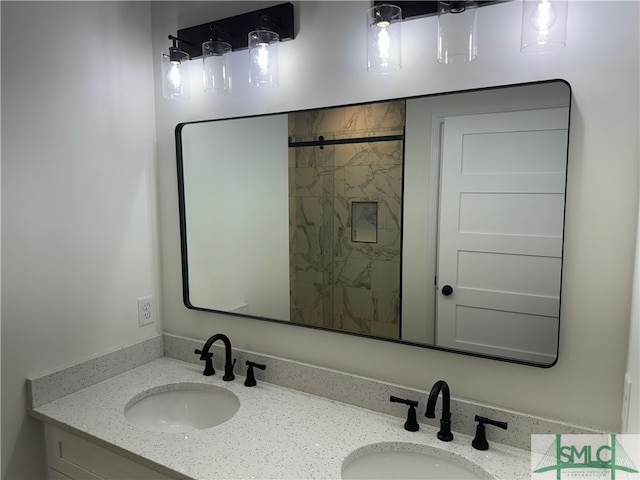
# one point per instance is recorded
(435, 220)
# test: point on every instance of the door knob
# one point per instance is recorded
(447, 290)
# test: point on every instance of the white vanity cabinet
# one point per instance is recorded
(71, 457)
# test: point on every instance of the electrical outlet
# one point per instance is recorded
(145, 311)
(626, 402)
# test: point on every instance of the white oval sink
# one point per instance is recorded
(182, 407)
(408, 460)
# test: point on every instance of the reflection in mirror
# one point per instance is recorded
(345, 197)
(435, 221)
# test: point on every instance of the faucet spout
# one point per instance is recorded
(445, 421)
(206, 356)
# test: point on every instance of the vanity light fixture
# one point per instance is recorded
(215, 40)
(175, 82)
(544, 25)
(384, 38)
(457, 32)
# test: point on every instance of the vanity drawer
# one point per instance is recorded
(71, 457)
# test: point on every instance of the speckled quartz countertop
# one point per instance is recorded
(276, 433)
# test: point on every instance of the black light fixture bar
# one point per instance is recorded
(234, 30)
(424, 8)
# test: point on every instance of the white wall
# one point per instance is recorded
(325, 65)
(78, 195)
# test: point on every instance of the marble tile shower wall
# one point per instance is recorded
(336, 282)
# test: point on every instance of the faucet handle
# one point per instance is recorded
(250, 381)
(411, 424)
(480, 440)
(208, 362)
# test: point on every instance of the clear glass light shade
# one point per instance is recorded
(384, 39)
(215, 66)
(544, 25)
(457, 32)
(263, 58)
(175, 81)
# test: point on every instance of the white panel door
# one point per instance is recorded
(500, 233)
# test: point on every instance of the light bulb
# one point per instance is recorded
(174, 76)
(384, 45)
(175, 82)
(543, 16)
(384, 37)
(544, 25)
(262, 58)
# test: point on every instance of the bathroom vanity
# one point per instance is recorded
(278, 431)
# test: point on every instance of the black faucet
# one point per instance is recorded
(207, 357)
(445, 422)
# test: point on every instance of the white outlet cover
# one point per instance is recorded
(145, 311)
